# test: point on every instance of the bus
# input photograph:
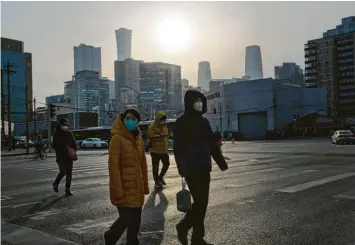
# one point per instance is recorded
(104, 133)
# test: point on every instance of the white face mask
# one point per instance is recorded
(198, 105)
(65, 128)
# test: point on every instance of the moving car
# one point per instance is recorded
(93, 143)
(343, 137)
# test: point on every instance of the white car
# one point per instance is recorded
(93, 143)
(343, 136)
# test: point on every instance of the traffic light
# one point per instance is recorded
(51, 110)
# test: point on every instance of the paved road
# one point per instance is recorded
(264, 198)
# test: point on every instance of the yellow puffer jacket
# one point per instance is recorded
(159, 145)
(127, 167)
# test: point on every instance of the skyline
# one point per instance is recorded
(219, 34)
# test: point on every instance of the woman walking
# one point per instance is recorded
(63, 141)
(128, 177)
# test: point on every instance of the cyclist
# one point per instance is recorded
(39, 147)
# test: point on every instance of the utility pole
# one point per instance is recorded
(27, 128)
(220, 116)
(9, 71)
(2, 107)
(49, 127)
(35, 116)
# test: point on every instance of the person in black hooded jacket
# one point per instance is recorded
(194, 144)
(62, 140)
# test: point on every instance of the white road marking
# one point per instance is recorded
(44, 214)
(307, 185)
(84, 227)
(341, 196)
(258, 171)
(19, 205)
(3, 198)
(15, 234)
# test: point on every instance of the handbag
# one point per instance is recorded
(72, 154)
(183, 199)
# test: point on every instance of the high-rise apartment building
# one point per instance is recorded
(291, 72)
(87, 58)
(204, 75)
(330, 63)
(12, 53)
(253, 62)
(124, 43)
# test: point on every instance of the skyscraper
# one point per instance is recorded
(329, 63)
(204, 75)
(87, 58)
(124, 43)
(253, 62)
(290, 71)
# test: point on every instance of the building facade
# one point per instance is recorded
(291, 72)
(253, 62)
(59, 98)
(124, 44)
(330, 63)
(127, 80)
(184, 88)
(12, 53)
(257, 106)
(87, 58)
(87, 90)
(204, 75)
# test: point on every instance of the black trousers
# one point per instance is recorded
(155, 162)
(65, 169)
(199, 186)
(130, 219)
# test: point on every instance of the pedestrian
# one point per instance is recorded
(194, 143)
(128, 177)
(63, 139)
(158, 136)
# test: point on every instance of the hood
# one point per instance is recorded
(118, 128)
(158, 116)
(190, 97)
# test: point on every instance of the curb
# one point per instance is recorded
(295, 153)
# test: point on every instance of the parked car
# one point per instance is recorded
(343, 137)
(93, 143)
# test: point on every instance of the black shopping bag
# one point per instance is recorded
(183, 199)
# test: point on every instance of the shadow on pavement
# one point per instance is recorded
(42, 205)
(153, 220)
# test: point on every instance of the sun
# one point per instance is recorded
(173, 35)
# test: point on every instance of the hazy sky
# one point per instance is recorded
(220, 31)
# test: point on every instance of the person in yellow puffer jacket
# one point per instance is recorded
(158, 135)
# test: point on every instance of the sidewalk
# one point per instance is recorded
(22, 152)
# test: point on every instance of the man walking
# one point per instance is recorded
(194, 143)
(158, 135)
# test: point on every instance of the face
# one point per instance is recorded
(130, 122)
(64, 127)
(198, 104)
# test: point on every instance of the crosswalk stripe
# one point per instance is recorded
(307, 185)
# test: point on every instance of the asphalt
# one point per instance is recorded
(284, 192)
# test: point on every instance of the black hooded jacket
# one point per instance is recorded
(61, 141)
(194, 140)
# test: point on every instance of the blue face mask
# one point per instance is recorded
(131, 125)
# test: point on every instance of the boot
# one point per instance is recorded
(68, 192)
(55, 187)
(182, 232)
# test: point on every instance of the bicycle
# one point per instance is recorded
(40, 153)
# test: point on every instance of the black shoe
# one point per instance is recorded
(162, 181)
(182, 232)
(158, 185)
(68, 192)
(201, 242)
(55, 188)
